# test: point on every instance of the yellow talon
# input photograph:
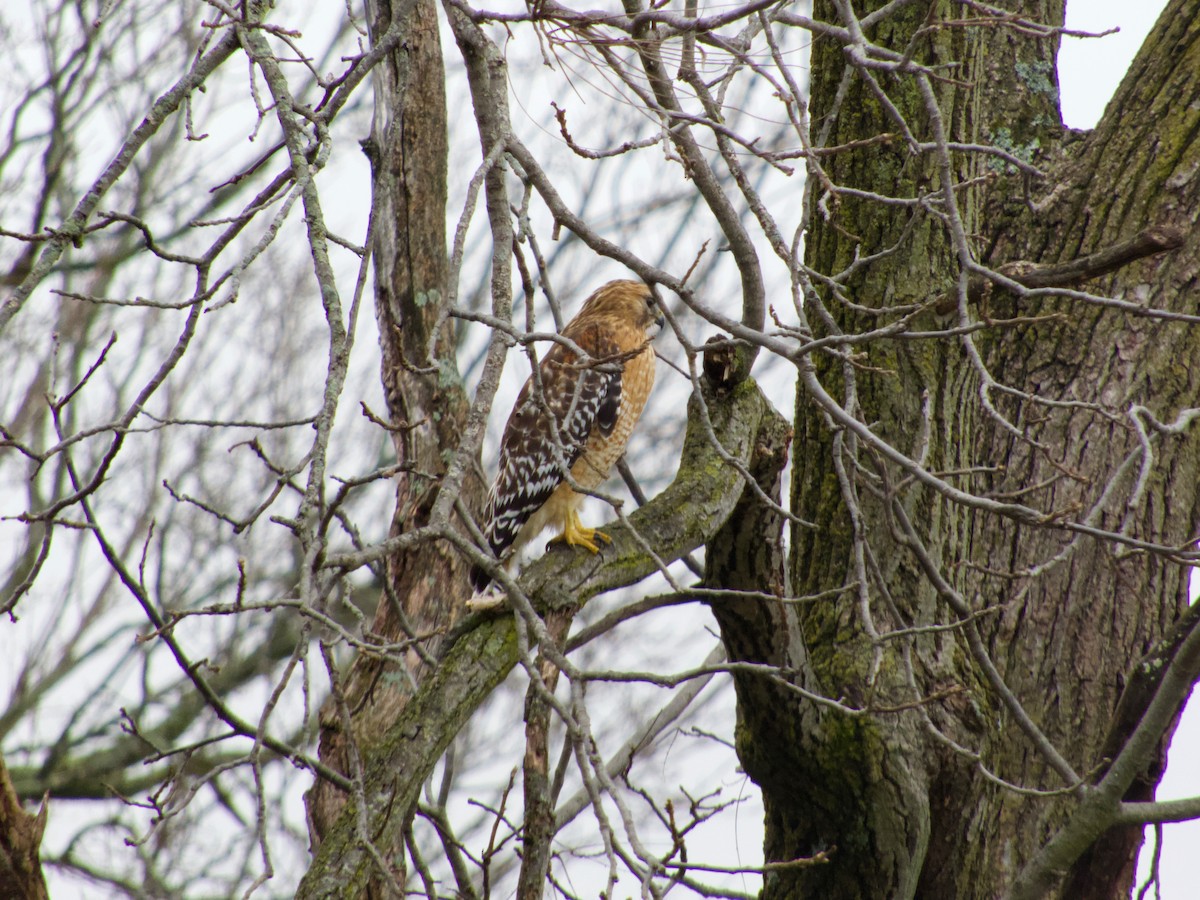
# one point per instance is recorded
(576, 534)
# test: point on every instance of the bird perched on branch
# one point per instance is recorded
(577, 420)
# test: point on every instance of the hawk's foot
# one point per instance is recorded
(576, 534)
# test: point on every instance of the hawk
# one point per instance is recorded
(580, 423)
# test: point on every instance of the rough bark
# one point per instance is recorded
(901, 815)
(747, 554)
(1075, 639)
(427, 405)
(20, 837)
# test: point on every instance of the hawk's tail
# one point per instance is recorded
(480, 579)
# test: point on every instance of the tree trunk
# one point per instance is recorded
(20, 838)
(427, 405)
(1064, 617)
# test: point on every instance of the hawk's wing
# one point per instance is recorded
(545, 435)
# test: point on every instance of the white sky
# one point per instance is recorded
(1089, 70)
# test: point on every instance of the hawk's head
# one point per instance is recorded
(630, 302)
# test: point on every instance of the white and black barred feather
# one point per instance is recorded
(545, 435)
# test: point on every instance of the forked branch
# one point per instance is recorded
(483, 650)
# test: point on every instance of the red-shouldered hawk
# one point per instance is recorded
(591, 404)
